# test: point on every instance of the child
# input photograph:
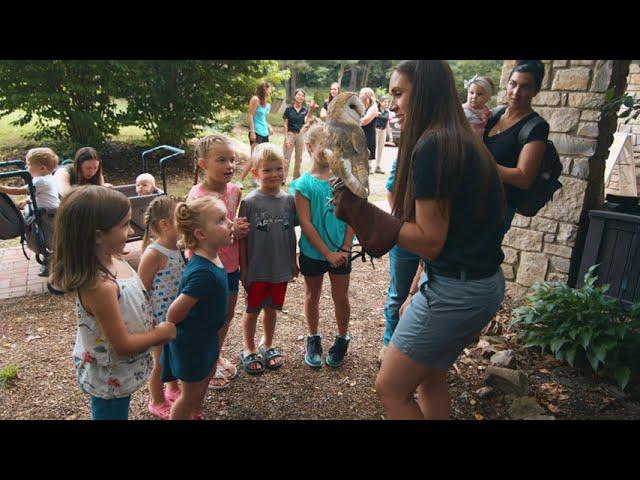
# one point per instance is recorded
(217, 159)
(201, 307)
(322, 233)
(160, 270)
(479, 91)
(40, 163)
(267, 256)
(115, 328)
(145, 184)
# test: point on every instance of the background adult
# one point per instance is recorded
(334, 91)
(85, 169)
(448, 208)
(368, 120)
(295, 116)
(518, 165)
(259, 128)
(382, 130)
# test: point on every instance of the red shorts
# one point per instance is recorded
(265, 294)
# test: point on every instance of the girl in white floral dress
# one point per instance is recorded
(160, 270)
(115, 329)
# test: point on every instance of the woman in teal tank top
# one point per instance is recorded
(259, 128)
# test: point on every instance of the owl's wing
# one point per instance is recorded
(359, 141)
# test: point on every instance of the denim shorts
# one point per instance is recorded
(233, 280)
(445, 316)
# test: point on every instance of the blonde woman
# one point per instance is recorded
(368, 121)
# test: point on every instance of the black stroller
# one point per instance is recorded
(36, 228)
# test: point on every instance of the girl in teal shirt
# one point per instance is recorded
(322, 233)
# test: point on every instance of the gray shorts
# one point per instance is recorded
(445, 316)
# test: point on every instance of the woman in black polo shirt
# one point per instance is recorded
(447, 209)
(518, 165)
(295, 117)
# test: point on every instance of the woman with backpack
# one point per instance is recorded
(519, 159)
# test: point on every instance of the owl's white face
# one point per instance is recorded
(354, 110)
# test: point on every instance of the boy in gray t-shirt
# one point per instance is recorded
(267, 256)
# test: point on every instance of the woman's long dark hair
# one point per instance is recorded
(82, 155)
(434, 111)
(261, 92)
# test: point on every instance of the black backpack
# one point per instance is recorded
(546, 183)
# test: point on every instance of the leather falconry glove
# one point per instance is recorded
(375, 228)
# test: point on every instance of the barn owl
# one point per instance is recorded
(346, 145)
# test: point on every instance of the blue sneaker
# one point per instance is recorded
(313, 353)
(338, 351)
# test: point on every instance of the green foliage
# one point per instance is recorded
(466, 69)
(8, 374)
(174, 100)
(626, 106)
(69, 100)
(566, 321)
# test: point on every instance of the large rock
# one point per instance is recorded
(522, 239)
(559, 250)
(602, 75)
(544, 225)
(515, 291)
(485, 392)
(504, 359)
(510, 255)
(586, 100)
(505, 380)
(524, 407)
(551, 99)
(507, 270)
(572, 145)
(532, 269)
(566, 204)
(571, 79)
(560, 264)
(588, 129)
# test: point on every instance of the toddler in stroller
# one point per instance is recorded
(35, 225)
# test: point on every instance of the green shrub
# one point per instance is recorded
(567, 320)
(8, 374)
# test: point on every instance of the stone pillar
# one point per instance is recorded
(572, 95)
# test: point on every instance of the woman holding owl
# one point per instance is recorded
(448, 208)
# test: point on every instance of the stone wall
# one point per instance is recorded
(572, 95)
(633, 126)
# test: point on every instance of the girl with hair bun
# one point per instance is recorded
(200, 309)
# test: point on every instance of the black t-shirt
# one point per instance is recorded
(472, 243)
(295, 118)
(382, 119)
(506, 149)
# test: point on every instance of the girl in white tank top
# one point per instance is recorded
(160, 269)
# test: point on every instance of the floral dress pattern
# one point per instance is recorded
(164, 288)
(100, 371)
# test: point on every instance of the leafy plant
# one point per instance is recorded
(175, 100)
(625, 106)
(69, 100)
(567, 320)
(8, 374)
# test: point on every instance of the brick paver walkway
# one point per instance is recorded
(19, 276)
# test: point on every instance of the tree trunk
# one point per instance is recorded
(353, 82)
(365, 77)
(291, 86)
(340, 75)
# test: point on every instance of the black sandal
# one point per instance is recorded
(269, 355)
(249, 360)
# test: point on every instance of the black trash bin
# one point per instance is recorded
(613, 242)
